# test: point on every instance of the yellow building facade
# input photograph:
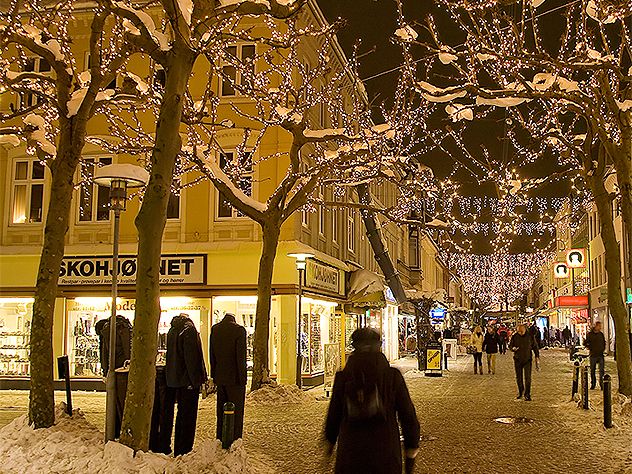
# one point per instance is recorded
(210, 256)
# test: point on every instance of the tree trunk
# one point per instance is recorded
(270, 235)
(423, 331)
(615, 298)
(150, 223)
(41, 398)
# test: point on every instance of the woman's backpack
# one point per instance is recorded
(364, 403)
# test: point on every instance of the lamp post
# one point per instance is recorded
(301, 264)
(118, 177)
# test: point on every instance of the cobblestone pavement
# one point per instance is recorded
(458, 431)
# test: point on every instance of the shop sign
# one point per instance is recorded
(576, 258)
(438, 314)
(571, 301)
(433, 358)
(561, 270)
(323, 277)
(174, 270)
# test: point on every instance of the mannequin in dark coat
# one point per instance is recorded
(121, 355)
(371, 444)
(185, 373)
(228, 370)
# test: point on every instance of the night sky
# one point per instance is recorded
(372, 22)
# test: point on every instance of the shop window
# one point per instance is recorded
(240, 169)
(94, 200)
(243, 53)
(16, 315)
(28, 192)
(84, 313)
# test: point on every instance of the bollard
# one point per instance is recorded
(585, 387)
(607, 401)
(445, 360)
(228, 426)
(63, 368)
(575, 380)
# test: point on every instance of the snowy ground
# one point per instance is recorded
(458, 431)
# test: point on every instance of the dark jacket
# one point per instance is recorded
(522, 346)
(227, 352)
(596, 343)
(123, 342)
(371, 446)
(185, 362)
(490, 343)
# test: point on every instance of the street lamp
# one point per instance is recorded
(301, 264)
(118, 177)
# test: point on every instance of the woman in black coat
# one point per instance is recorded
(369, 396)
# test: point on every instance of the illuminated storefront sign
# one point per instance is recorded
(174, 269)
(576, 258)
(322, 277)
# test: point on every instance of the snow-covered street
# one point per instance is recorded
(457, 413)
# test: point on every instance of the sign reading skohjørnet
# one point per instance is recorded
(174, 270)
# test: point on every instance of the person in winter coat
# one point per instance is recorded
(369, 397)
(227, 352)
(596, 344)
(503, 338)
(477, 342)
(566, 336)
(490, 346)
(121, 355)
(185, 373)
(522, 344)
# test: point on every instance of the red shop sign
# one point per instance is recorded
(571, 301)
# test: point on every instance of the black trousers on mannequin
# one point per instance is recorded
(186, 419)
(237, 395)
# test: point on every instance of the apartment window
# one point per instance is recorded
(230, 75)
(413, 247)
(94, 200)
(28, 192)
(242, 169)
(321, 213)
(173, 206)
(334, 224)
(28, 99)
(351, 239)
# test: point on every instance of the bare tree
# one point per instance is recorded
(564, 96)
(55, 107)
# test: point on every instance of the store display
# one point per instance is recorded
(15, 330)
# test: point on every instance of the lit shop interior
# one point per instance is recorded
(15, 329)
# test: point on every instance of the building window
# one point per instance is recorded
(173, 206)
(28, 99)
(351, 231)
(240, 170)
(334, 225)
(413, 248)
(322, 216)
(94, 200)
(28, 192)
(230, 75)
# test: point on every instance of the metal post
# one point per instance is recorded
(573, 279)
(445, 360)
(607, 401)
(63, 367)
(228, 425)
(585, 388)
(575, 380)
(299, 356)
(110, 410)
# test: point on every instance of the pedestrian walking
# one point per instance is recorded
(522, 344)
(490, 346)
(227, 352)
(477, 344)
(537, 335)
(503, 338)
(369, 398)
(596, 344)
(566, 336)
(185, 374)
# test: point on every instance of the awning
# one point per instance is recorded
(367, 290)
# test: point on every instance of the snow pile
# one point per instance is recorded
(414, 374)
(39, 133)
(406, 33)
(52, 45)
(270, 395)
(10, 139)
(160, 38)
(73, 445)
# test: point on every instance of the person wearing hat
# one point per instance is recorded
(369, 397)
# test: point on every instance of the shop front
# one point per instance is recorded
(571, 312)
